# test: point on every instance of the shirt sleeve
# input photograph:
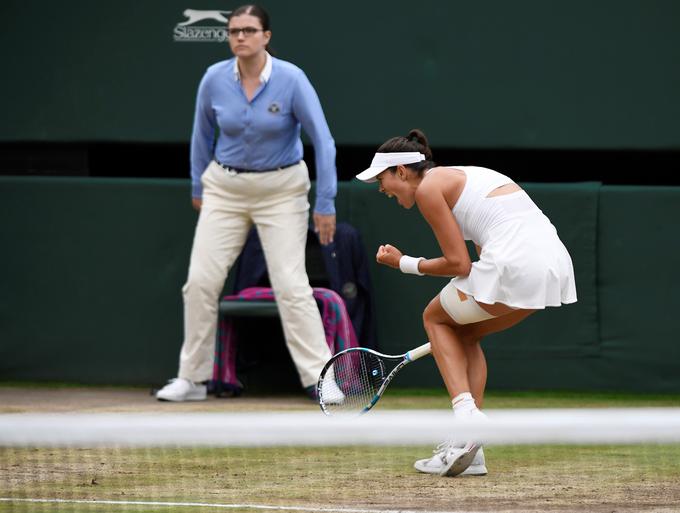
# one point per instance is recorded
(308, 111)
(202, 138)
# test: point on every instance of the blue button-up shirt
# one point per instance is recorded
(263, 133)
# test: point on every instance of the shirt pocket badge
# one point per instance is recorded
(274, 108)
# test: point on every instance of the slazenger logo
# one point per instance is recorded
(187, 32)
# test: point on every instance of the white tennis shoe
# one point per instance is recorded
(331, 392)
(451, 459)
(180, 389)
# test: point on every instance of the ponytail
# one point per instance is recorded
(414, 141)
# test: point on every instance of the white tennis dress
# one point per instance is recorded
(523, 264)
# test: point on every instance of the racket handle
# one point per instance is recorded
(418, 352)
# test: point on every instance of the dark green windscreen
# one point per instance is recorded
(93, 270)
(488, 74)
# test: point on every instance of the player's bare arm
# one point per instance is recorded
(436, 211)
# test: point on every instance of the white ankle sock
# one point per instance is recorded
(464, 405)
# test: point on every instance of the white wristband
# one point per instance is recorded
(409, 265)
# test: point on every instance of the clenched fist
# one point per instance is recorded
(388, 255)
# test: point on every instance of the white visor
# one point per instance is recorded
(382, 161)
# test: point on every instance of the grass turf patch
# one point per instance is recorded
(594, 476)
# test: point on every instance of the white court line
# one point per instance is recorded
(224, 506)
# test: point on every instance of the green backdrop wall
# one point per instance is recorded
(492, 74)
(92, 271)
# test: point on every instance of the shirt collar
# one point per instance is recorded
(266, 71)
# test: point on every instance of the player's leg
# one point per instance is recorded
(456, 324)
(461, 361)
(479, 330)
(477, 370)
(476, 375)
(453, 357)
(218, 240)
(455, 332)
(448, 350)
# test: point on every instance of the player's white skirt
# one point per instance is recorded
(523, 264)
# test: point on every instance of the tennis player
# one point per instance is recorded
(523, 267)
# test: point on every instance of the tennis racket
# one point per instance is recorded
(354, 379)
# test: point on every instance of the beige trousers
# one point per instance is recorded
(276, 202)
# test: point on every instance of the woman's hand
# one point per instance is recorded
(197, 203)
(324, 225)
(388, 255)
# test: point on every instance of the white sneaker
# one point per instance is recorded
(478, 465)
(448, 457)
(180, 389)
(331, 392)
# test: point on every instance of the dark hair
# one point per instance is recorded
(414, 141)
(258, 12)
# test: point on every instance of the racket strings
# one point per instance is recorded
(358, 375)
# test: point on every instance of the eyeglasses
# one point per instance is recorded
(247, 31)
